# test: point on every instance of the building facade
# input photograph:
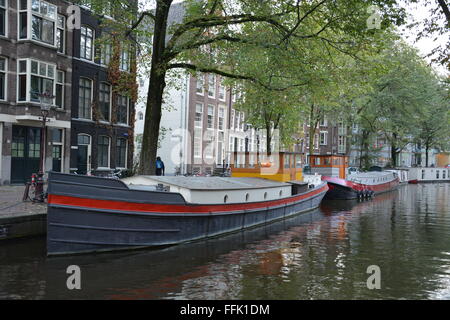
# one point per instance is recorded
(330, 138)
(101, 125)
(89, 127)
(35, 57)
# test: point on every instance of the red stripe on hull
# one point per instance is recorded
(168, 208)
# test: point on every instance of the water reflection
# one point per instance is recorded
(323, 254)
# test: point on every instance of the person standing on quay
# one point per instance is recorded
(159, 167)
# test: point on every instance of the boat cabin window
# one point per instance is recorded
(298, 161)
(287, 161)
(225, 199)
(265, 195)
(247, 196)
(281, 193)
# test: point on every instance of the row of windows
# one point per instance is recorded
(85, 102)
(104, 150)
(213, 90)
(36, 77)
(39, 21)
(198, 122)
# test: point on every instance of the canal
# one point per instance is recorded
(323, 254)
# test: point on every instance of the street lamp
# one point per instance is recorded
(46, 103)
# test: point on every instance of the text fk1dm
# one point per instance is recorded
(246, 309)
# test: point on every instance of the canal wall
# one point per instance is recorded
(20, 219)
(23, 226)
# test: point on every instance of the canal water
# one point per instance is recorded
(323, 254)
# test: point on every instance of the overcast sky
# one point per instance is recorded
(417, 13)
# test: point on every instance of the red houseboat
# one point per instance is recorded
(342, 185)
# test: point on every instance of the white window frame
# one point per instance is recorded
(210, 106)
(5, 72)
(30, 14)
(92, 45)
(128, 109)
(126, 153)
(63, 29)
(221, 115)
(200, 80)
(238, 121)
(105, 54)
(323, 134)
(92, 97)
(5, 7)
(222, 91)
(110, 100)
(125, 59)
(233, 114)
(109, 152)
(89, 150)
(63, 132)
(198, 124)
(341, 146)
(212, 85)
(198, 142)
(63, 87)
(29, 75)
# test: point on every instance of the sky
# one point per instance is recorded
(417, 13)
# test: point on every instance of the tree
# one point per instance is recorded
(210, 25)
(406, 103)
(432, 120)
(436, 24)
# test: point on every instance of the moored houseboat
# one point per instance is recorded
(361, 185)
(342, 185)
(89, 214)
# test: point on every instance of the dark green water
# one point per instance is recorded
(323, 254)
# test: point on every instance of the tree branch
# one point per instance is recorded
(214, 21)
(189, 66)
(139, 20)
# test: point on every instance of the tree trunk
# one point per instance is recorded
(155, 91)
(365, 148)
(427, 147)
(268, 141)
(312, 129)
(394, 151)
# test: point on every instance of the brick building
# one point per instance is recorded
(39, 53)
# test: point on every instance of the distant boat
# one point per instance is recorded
(91, 214)
(361, 185)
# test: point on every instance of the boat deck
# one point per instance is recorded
(205, 183)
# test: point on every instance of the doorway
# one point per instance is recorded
(84, 154)
(25, 153)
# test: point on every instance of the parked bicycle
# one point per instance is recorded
(34, 190)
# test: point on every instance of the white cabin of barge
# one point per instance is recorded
(217, 190)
